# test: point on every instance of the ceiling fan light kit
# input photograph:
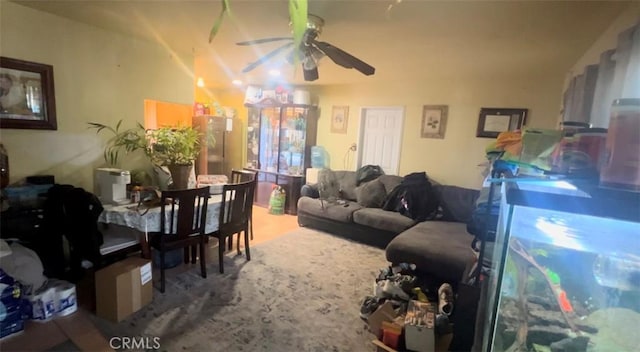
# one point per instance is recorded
(310, 51)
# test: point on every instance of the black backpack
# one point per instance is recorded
(414, 197)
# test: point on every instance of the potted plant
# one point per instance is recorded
(177, 149)
(173, 147)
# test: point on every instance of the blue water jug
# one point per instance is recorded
(318, 157)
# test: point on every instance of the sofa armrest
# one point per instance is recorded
(310, 191)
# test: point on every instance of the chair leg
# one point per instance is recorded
(186, 255)
(221, 254)
(230, 243)
(251, 227)
(194, 249)
(203, 264)
(162, 270)
(238, 243)
(246, 244)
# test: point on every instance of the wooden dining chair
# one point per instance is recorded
(183, 216)
(238, 176)
(235, 208)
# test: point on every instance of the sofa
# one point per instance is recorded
(440, 248)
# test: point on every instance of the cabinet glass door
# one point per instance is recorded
(292, 141)
(253, 138)
(269, 139)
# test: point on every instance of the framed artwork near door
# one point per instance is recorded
(27, 98)
(434, 121)
(339, 119)
(492, 121)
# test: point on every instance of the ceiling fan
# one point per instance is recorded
(311, 51)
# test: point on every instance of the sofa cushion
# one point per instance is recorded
(337, 184)
(371, 194)
(328, 210)
(439, 248)
(328, 186)
(382, 219)
(347, 184)
(457, 203)
(390, 182)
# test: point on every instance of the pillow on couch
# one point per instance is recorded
(371, 194)
(457, 203)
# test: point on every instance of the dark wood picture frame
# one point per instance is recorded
(27, 96)
(492, 121)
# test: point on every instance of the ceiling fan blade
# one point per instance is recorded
(264, 40)
(290, 58)
(266, 57)
(343, 58)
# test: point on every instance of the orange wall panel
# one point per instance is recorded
(160, 114)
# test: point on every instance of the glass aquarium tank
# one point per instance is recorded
(565, 271)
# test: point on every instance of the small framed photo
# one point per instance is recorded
(434, 121)
(492, 121)
(27, 98)
(339, 119)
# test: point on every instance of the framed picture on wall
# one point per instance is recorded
(339, 119)
(434, 121)
(492, 121)
(27, 98)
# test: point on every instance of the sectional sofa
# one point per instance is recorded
(440, 248)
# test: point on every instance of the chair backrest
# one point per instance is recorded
(235, 209)
(187, 211)
(238, 176)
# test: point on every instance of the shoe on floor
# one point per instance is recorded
(369, 305)
(445, 299)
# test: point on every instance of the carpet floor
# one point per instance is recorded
(300, 292)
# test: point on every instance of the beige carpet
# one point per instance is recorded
(300, 292)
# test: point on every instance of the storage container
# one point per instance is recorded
(621, 165)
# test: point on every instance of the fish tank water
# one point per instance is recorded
(565, 271)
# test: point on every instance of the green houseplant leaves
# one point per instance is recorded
(164, 146)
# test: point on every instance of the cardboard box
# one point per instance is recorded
(123, 288)
(419, 326)
(77, 328)
(381, 347)
(384, 313)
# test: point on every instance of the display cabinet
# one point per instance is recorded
(279, 141)
(565, 269)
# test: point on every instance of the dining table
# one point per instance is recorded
(129, 224)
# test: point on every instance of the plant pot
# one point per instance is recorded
(180, 176)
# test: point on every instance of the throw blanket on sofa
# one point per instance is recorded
(414, 198)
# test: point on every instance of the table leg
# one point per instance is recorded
(144, 246)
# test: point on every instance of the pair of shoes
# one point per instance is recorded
(445, 299)
(369, 305)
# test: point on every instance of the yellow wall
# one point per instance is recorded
(453, 160)
(99, 76)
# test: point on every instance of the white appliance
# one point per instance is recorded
(112, 185)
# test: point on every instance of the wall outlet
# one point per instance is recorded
(353, 147)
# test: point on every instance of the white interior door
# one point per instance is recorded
(381, 137)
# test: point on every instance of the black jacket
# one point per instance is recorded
(414, 197)
(72, 212)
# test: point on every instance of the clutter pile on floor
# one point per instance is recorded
(405, 315)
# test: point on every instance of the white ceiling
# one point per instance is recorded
(415, 40)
